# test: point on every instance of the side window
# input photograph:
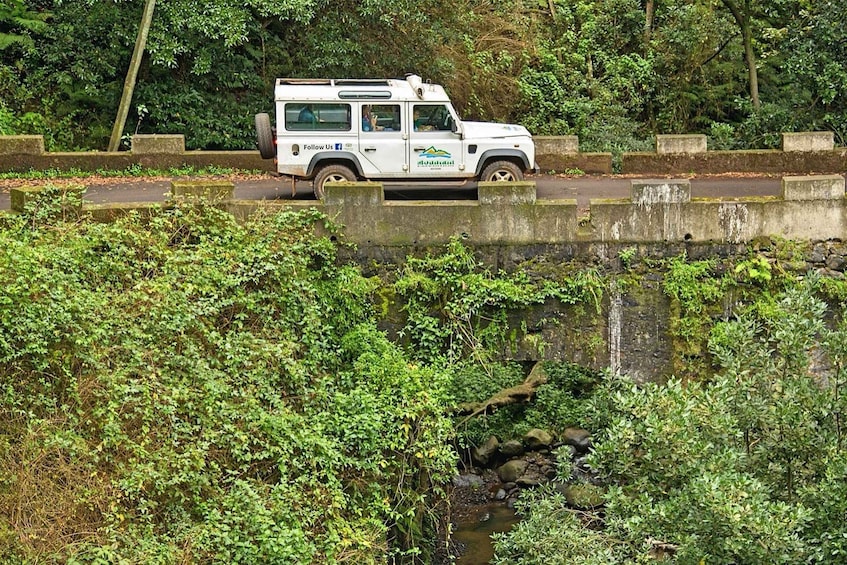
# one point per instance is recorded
(428, 117)
(317, 117)
(381, 117)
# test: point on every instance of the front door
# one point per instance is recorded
(434, 149)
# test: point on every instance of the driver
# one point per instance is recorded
(421, 123)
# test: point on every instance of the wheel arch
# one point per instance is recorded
(323, 158)
(516, 156)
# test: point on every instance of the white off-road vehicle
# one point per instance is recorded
(387, 129)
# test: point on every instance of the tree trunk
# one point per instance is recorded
(132, 73)
(743, 21)
(512, 395)
(649, 11)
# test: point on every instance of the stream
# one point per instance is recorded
(474, 532)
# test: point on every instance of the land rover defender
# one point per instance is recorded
(385, 129)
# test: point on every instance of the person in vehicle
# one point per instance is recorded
(421, 123)
(307, 116)
(368, 119)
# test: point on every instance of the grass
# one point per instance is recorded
(133, 171)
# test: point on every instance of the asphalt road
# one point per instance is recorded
(582, 189)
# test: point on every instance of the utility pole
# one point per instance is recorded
(132, 73)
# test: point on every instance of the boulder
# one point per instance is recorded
(482, 454)
(511, 471)
(577, 437)
(468, 481)
(583, 495)
(537, 439)
(511, 448)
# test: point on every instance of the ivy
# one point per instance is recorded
(187, 388)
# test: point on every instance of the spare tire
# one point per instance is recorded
(265, 136)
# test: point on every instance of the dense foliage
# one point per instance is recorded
(613, 72)
(746, 466)
(180, 387)
(187, 389)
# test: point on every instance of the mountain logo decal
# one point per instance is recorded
(432, 153)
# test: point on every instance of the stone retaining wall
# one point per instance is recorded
(507, 227)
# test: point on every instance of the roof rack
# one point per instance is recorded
(334, 82)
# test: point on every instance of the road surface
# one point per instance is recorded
(266, 187)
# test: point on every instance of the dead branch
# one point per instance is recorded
(512, 395)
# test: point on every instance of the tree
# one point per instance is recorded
(16, 20)
(132, 73)
(742, 13)
(816, 48)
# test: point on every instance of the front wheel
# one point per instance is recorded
(331, 173)
(501, 171)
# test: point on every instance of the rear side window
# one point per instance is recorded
(317, 117)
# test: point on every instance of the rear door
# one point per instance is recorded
(382, 142)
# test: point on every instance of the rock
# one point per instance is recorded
(537, 439)
(835, 263)
(482, 454)
(584, 496)
(526, 482)
(511, 448)
(817, 255)
(512, 470)
(578, 438)
(501, 495)
(466, 481)
(511, 485)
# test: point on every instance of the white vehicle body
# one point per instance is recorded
(387, 129)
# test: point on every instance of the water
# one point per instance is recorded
(475, 532)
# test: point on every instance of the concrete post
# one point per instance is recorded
(820, 187)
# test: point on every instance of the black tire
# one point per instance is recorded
(501, 171)
(265, 136)
(331, 173)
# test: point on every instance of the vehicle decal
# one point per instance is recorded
(432, 157)
(323, 146)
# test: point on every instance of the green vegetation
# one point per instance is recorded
(612, 72)
(192, 390)
(133, 171)
(747, 465)
(185, 388)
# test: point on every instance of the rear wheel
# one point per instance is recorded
(265, 136)
(331, 173)
(501, 171)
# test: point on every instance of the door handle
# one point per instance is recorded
(371, 148)
(418, 148)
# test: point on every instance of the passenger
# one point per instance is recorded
(368, 119)
(307, 116)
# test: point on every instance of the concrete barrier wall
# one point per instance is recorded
(808, 141)
(811, 208)
(672, 144)
(507, 214)
(803, 153)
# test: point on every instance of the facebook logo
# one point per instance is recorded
(338, 147)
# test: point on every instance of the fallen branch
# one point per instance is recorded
(512, 395)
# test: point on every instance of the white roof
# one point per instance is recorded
(410, 88)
